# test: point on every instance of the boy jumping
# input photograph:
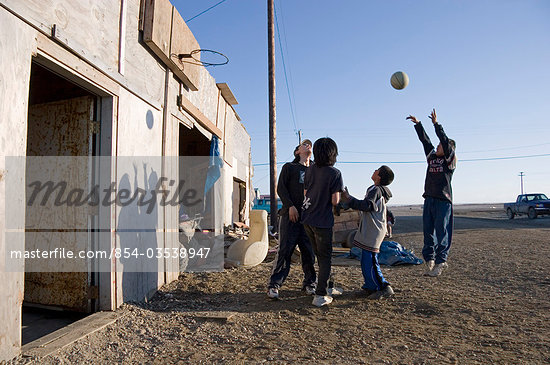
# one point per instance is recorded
(437, 216)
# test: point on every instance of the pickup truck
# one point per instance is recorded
(531, 204)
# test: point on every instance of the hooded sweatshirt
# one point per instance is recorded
(372, 228)
(440, 169)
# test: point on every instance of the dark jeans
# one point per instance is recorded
(321, 240)
(290, 235)
(438, 229)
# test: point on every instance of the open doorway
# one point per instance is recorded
(63, 120)
(239, 201)
(194, 150)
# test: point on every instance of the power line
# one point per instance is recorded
(460, 152)
(288, 58)
(424, 161)
(278, 163)
(286, 77)
(507, 148)
(210, 8)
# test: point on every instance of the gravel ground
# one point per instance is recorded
(489, 306)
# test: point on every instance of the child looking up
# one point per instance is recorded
(372, 231)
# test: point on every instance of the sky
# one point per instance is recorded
(484, 65)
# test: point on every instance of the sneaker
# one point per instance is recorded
(384, 293)
(429, 267)
(368, 291)
(309, 289)
(320, 300)
(273, 293)
(335, 291)
(438, 269)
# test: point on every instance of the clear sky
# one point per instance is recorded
(484, 65)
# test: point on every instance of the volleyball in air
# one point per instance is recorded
(399, 80)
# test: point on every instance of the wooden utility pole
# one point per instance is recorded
(272, 130)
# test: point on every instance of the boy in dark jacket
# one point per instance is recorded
(437, 215)
(372, 230)
(291, 231)
(322, 186)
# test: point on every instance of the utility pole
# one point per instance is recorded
(300, 136)
(521, 175)
(272, 114)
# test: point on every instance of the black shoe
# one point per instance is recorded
(368, 291)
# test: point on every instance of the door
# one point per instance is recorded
(64, 129)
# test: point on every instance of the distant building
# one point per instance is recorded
(263, 202)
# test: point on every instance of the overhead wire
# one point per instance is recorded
(278, 163)
(285, 73)
(424, 161)
(202, 12)
(288, 60)
(461, 152)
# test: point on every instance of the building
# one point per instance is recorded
(263, 202)
(107, 81)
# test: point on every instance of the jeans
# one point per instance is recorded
(374, 280)
(291, 235)
(438, 229)
(321, 240)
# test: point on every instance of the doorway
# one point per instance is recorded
(239, 201)
(63, 122)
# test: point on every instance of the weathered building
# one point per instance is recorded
(105, 78)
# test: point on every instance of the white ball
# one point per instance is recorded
(399, 80)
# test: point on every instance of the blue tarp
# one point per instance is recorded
(391, 254)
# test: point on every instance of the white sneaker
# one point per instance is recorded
(273, 293)
(335, 291)
(429, 267)
(320, 300)
(438, 269)
(310, 290)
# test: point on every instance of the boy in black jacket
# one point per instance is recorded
(322, 186)
(291, 231)
(437, 216)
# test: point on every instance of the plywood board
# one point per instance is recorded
(157, 27)
(227, 93)
(183, 42)
(220, 117)
(94, 25)
(67, 335)
(16, 48)
(229, 136)
(189, 107)
(58, 129)
(145, 74)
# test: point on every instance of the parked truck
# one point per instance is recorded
(531, 204)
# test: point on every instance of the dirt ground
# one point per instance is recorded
(489, 307)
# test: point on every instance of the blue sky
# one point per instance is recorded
(484, 66)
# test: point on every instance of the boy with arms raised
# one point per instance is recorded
(437, 216)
